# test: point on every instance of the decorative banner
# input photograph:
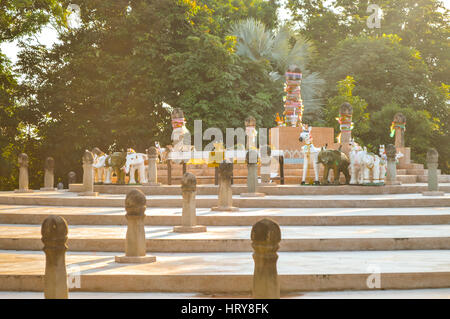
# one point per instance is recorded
(178, 122)
(395, 125)
(345, 122)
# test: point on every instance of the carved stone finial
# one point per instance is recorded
(49, 163)
(226, 169)
(152, 152)
(432, 156)
(135, 202)
(399, 118)
(88, 157)
(189, 182)
(250, 121)
(391, 152)
(54, 232)
(23, 160)
(346, 109)
(266, 232)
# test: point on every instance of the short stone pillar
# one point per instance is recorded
(152, 154)
(225, 202)
(23, 174)
(88, 175)
(135, 245)
(72, 178)
(250, 132)
(265, 169)
(432, 165)
(54, 236)
(252, 176)
(346, 126)
(398, 128)
(49, 177)
(391, 174)
(266, 237)
(189, 217)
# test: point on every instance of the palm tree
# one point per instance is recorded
(257, 43)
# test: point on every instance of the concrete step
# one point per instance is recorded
(411, 166)
(237, 238)
(246, 216)
(407, 179)
(232, 273)
(441, 179)
(238, 189)
(208, 201)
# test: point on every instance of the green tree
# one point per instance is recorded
(360, 117)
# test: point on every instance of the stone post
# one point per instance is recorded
(54, 236)
(399, 127)
(250, 131)
(72, 177)
(49, 177)
(266, 237)
(346, 126)
(135, 245)
(252, 176)
(391, 174)
(189, 218)
(88, 175)
(152, 154)
(23, 174)
(266, 160)
(432, 165)
(225, 202)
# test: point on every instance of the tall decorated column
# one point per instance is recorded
(23, 174)
(346, 126)
(54, 236)
(250, 132)
(49, 177)
(293, 105)
(88, 175)
(398, 128)
(432, 165)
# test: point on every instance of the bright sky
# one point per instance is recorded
(48, 35)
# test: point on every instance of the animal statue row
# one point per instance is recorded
(366, 168)
(120, 164)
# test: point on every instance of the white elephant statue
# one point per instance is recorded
(136, 161)
(371, 166)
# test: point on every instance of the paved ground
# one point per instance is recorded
(162, 211)
(359, 262)
(238, 232)
(358, 294)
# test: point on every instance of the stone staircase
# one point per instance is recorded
(322, 249)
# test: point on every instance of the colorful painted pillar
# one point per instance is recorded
(293, 105)
(346, 126)
(398, 128)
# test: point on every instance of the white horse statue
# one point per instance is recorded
(99, 165)
(310, 154)
(356, 163)
(136, 161)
